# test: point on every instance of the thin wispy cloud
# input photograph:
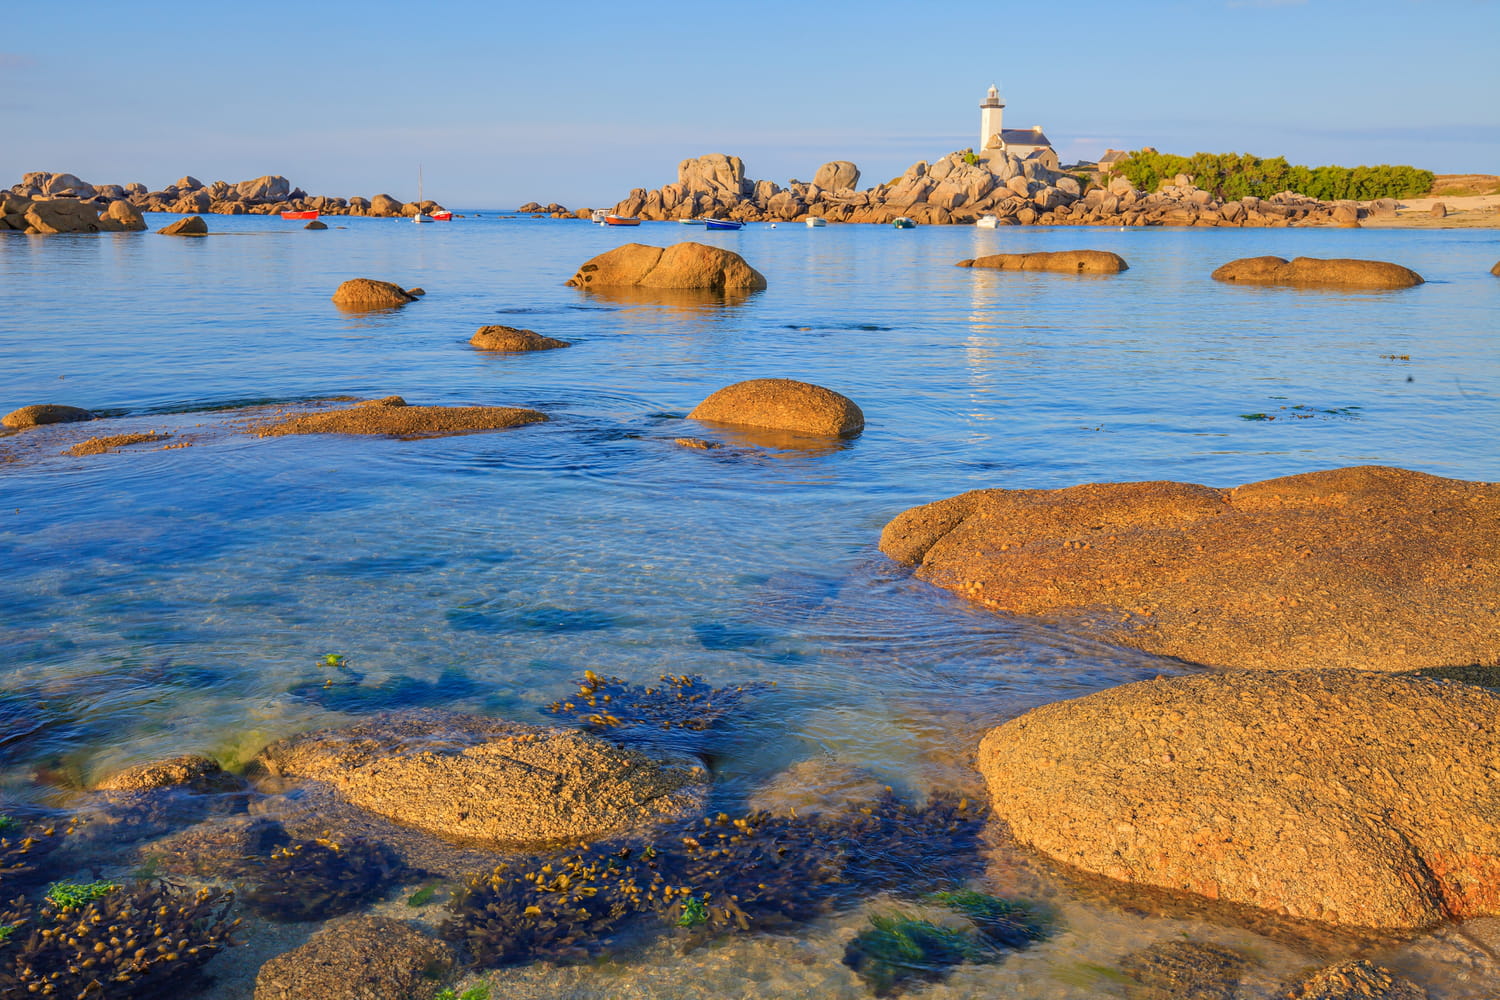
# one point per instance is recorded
(16, 60)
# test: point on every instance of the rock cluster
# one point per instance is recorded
(188, 196)
(46, 216)
(1368, 567)
(962, 186)
(1341, 796)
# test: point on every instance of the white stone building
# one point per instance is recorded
(997, 140)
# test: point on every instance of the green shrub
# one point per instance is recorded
(1231, 176)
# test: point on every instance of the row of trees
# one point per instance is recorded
(1231, 176)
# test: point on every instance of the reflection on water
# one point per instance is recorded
(158, 602)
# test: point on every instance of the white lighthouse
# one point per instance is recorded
(990, 112)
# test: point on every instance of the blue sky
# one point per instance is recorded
(580, 101)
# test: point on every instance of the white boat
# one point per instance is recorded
(419, 217)
(816, 222)
(598, 215)
(691, 222)
(987, 222)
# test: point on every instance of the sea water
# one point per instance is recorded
(161, 601)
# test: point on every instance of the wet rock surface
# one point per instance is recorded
(481, 781)
(1366, 567)
(782, 404)
(1303, 792)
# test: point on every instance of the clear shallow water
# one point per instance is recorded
(158, 602)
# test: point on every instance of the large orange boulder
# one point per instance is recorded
(782, 404)
(1343, 796)
(682, 265)
(1368, 567)
(1314, 272)
(1063, 261)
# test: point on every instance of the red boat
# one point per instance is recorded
(620, 220)
(312, 214)
(443, 216)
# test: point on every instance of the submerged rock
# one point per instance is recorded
(1357, 980)
(1173, 970)
(190, 771)
(1312, 271)
(359, 294)
(113, 442)
(682, 265)
(39, 414)
(782, 404)
(391, 417)
(1065, 261)
(484, 781)
(1348, 797)
(358, 958)
(1366, 567)
(509, 338)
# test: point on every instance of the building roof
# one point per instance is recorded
(1024, 137)
(1111, 155)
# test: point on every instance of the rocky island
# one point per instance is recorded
(962, 186)
(45, 202)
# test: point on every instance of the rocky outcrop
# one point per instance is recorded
(509, 338)
(188, 195)
(1368, 567)
(391, 417)
(483, 781)
(358, 958)
(38, 414)
(1315, 272)
(1341, 796)
(361, 294)
(193, 225)
(962, 186)
(782, 404)
(680, 266)
(1064, 261)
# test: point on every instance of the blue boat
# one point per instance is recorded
(722, 224)
(904, 223)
